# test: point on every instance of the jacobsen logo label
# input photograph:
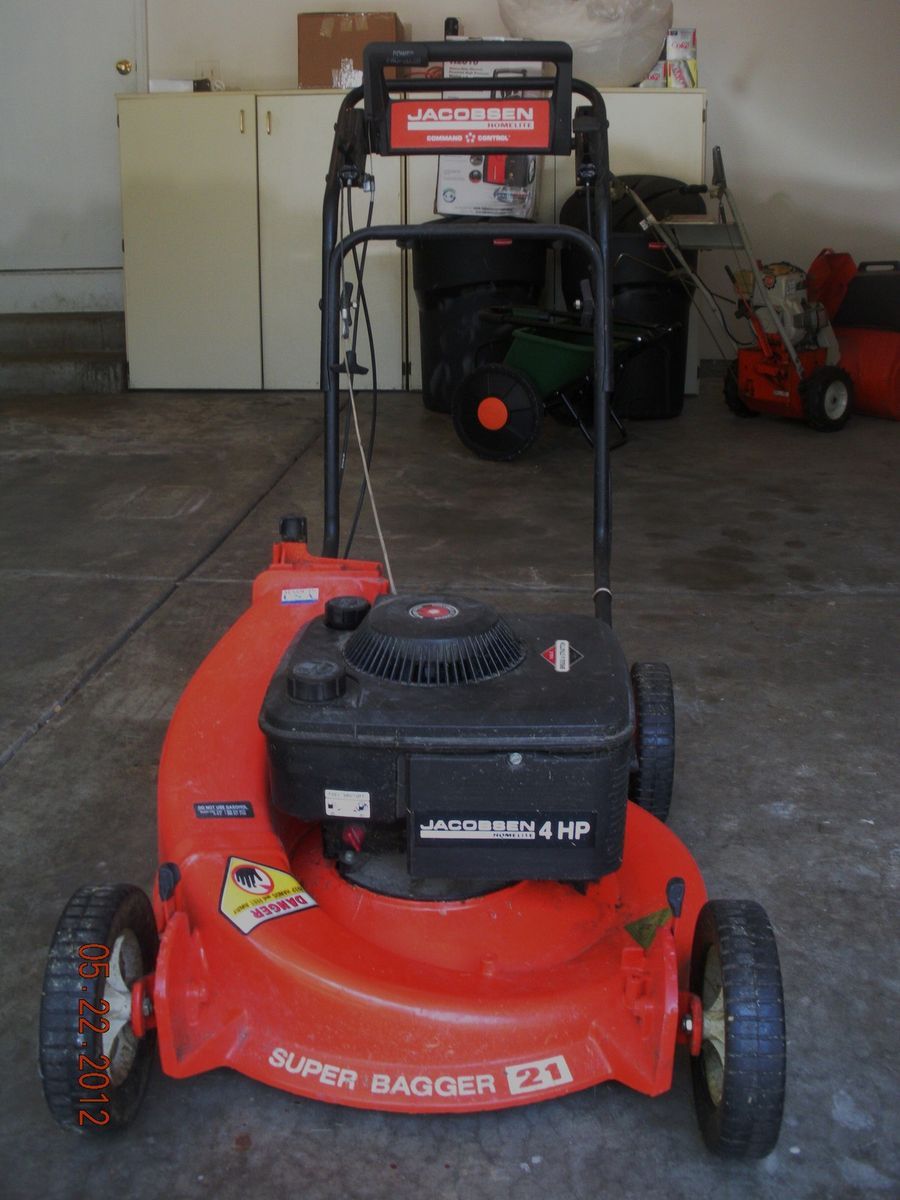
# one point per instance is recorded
(560, 827)
(512, 124)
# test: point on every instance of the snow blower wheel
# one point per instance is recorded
(732, 393)
(654, 738)
(827, 399)
(497, 412)
(739, 1073)
(94, 1065)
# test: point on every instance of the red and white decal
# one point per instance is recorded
(434, 610)
(562, 655)
(514, 123)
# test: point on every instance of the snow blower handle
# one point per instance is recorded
(718, 177)
(402, 126)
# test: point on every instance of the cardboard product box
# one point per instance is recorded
(656, 77)
(330, 45)
(681, 43)
(681, 73)
(488, 185)
(681, 58)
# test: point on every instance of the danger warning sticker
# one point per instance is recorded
(253, 893)
(562, 655)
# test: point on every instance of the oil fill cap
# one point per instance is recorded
(346, 613)
(317, 680)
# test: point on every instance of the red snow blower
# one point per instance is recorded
(795, 369)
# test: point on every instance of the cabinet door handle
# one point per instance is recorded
(268, 122)
(242, 120)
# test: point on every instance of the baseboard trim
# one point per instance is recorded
(94, 289)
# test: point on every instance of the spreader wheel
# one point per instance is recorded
(93, 1065)
(650, 785)
(497, 412)
(740, 1070)
(732, 394)
(827, 398)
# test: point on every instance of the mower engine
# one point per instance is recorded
(805, 322)
(446, 749)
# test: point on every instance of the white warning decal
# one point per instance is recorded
(562, 655)
(538, 1076)
(299, 595)
(339, 803)
(253, 893)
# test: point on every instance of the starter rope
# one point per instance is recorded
(359, 442)
(365, 467)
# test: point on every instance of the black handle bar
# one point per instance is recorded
(378, 55)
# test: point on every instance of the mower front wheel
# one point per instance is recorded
(497, 412)
(651, 782)
(732, 393)
(827, 399)
(739, 1073)
(93, 1065)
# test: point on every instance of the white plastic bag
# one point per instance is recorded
(614, 42)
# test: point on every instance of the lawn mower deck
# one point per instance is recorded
(528, 989)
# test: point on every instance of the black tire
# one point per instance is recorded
(733, 396)
(827, 399)
(118, 917)
(739, 1074)
(516, 394)
(650, 785)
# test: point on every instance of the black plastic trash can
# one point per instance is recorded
(454, 281)
(643, 291)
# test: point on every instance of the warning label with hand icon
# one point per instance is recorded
(253, 893)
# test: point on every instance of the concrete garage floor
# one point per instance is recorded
(760, 559)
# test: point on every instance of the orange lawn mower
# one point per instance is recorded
(412, 851)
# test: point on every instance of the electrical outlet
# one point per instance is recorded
(207, 69)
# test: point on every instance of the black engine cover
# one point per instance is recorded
(503, 742)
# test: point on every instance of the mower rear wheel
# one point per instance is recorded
(497, 412)
(732, 394)
(827, 398)
(650, 785)
(93, 1066)
(739, 1073)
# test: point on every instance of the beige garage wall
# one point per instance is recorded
(804, 97)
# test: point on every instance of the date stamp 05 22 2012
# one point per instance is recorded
(93, 1073)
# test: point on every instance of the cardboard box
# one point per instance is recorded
(681, 73)
(488, 185)
(681, 58)
(680, 44)
(656, 76)
(330, 45)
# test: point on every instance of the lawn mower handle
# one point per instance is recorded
(500, 229)
(588, 137)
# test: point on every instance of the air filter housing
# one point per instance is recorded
(441, 642)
